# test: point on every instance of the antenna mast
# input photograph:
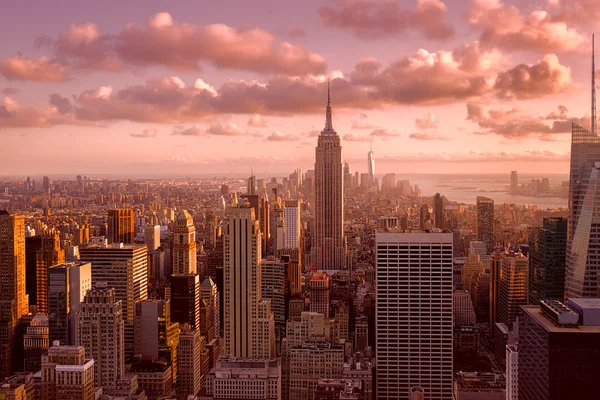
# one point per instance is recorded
(593, 88)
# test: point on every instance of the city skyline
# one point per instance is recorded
(195, 100)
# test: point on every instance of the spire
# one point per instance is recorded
(593, 88)
(328, 122)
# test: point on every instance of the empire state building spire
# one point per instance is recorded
(328, 121)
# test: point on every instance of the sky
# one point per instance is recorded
(201, 87)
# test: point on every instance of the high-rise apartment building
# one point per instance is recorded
(512, 372)
(485, 222)
(67, 286)
(329, 248)
(13, 299)
(156, 337)
(291, 224)
(464, 313)
(48, 255)
(189, 362)
(152, 237)
(319, 293)
(121, 226)
(101, 333)
(583, 256)
(438, 212)
(184, 244)
(185, 299)
(514, 183)
(67, 373)
(274, 271)
(414, 326)
(512, 287)
(125, 269)
(495, 272)
(559, 350)
(547, 259)
(35, 343)
(210, 294)
(244, 308)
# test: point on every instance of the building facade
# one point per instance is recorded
(121, 226)
(485, 222)
(184, 244)
(413, 328)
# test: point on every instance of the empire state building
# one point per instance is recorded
(329, 248)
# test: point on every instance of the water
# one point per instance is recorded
(466, 188)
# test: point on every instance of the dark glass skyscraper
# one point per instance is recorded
(547, 257)
(438, 211)
(583, 251)
(485, 222)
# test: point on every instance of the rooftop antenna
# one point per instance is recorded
(328, 122)
(593, 88)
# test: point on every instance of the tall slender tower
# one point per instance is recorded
(249, 325)
(371, 165)
(583, 261)
(329, 250)
(184, 244)
(485, 222)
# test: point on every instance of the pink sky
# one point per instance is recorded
(218, 87)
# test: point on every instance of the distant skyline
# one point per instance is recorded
(187, 88)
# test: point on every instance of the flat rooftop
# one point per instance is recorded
(535, 313)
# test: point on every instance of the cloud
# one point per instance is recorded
(163, 42)
(281, 137)
(351, 137)
(296, 32)
(514, 124)
(194, 130)
(369, 19)
(577, 12)
(429, 121)
(62, 104)
(257, 121)
(506, 26)
(10, 91)
(548, 76)
(362, 125)
(15, 115)
(40, 69)
(478, 157)
(146, 133)
(383, 133)
(428, 136)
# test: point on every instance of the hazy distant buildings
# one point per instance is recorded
(547, 259)
(485, 222)
(329, 250)
(514, 183)
(423, 355)
(583, 255)
(438, 211)
(121, 226)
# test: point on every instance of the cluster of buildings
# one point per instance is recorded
(324, 286)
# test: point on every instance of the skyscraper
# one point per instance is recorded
(185, 299)
(583, 260)
(124, 268)
(121, 226)
(184, 244)
(291, 224)
(210, 294)
(13, 300)
(242, 287)
(412, 346)
(512, 288)
(547, 258)
(438, 211)
(485, 222)
(67, 286)
(514, 183)
(50, 254)
(319, 293)
(101, 334)
(329, 249)
(191, 346)
(559, 350)
(371, 165)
